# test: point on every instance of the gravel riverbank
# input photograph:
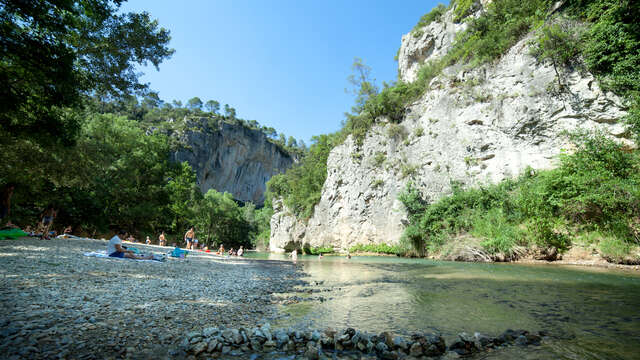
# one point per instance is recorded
(58, 303)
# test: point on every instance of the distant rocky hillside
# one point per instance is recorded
(230, 157)
(472, 126)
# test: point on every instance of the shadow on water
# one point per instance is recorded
(589, 314)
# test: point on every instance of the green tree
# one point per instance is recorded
(183, 196)
(53, 53)
(194, 104)
(152, 101)
(229, 112)
(291, 142)
(559, 44)
(301, 185)
(219, 218)
(213, 106)
(363, 85)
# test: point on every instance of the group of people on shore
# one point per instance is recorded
(192, 244)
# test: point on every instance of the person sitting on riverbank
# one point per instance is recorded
(221, 250)
(162, 241)
(115, 249)
(68, 230)
(148, 241)
(240, 251)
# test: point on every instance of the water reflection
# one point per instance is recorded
(591, 314)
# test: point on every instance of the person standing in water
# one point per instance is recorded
(294, 256)
(162, 240)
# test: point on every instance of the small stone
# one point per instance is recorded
(399, 343)
(533, 339)
(227, 335)
(199, 348)
(315, 336)
(381, 347)
(521, 340)
(361, 346)
(193, 334)
(237, 338)
(483, 340)
(415, 350)
(387, 338)
(213, 344)
(210, 331)
(312, 352)
(370, 346)
(390, 355)
(226, 350)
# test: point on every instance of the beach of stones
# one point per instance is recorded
(58, 303)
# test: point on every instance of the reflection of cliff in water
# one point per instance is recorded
(589, 313)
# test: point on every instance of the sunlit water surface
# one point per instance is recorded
(590, 313)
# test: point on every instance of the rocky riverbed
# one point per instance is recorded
(57, 303)
(347, 344)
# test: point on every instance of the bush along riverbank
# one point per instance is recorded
(315, 344)
(590, 201)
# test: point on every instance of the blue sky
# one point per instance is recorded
(283, 63)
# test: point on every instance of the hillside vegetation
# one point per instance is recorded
(79, 132)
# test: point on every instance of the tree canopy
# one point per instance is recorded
(54, 53)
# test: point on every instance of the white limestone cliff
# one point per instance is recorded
(472, 126)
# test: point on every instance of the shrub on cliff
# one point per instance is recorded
(597, 188)
(301, 185)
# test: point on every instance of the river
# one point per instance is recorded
(589, 313)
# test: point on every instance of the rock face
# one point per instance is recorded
(435, 40)
(472, 126)
(232, 158)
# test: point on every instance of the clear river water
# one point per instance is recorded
(589, 313)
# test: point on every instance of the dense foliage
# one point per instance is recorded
(54, 53)
(594, 194)
(79, 132)
(301, 185)
(118, 176)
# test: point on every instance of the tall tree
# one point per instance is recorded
(194, 103)
(291, 142)
(213, 106)
(229, 112)
(54, 52)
